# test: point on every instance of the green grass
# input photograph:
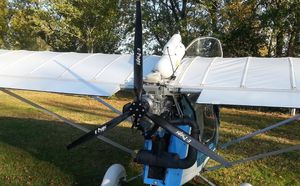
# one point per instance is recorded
(32, 145)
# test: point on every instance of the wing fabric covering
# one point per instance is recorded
(251, 81)
(71, 73)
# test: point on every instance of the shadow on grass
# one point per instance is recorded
(47, 140)
(85, 109)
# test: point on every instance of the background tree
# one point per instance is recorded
(3, 22)
(80, 25)
(165, 18)
(21, 32)
(245, 27)
(240, 30)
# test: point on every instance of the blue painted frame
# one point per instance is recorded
(173, 176)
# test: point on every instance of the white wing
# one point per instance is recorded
(72, 73)
(272, 82)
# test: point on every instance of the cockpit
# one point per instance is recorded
(207, 116)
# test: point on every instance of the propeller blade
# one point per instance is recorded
(185, 137)
(138, 53)
(99, 130)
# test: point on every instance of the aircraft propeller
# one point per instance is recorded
(139, 108)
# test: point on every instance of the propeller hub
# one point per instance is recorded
(138, 109)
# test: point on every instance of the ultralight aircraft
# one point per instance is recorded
(176, 103)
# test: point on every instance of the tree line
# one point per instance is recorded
(245, 27)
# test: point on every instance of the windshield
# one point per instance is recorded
(205, 47)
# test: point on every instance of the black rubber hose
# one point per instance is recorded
(171, 160)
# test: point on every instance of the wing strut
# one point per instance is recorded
(256, 157)
(287, 121)
(97, 98)
(67, 121)
(107, 105)
(263, 155)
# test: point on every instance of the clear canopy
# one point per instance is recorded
(205, 47)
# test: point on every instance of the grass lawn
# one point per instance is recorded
(32, 144)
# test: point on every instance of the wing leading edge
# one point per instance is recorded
(251, 81)
(71, 73)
